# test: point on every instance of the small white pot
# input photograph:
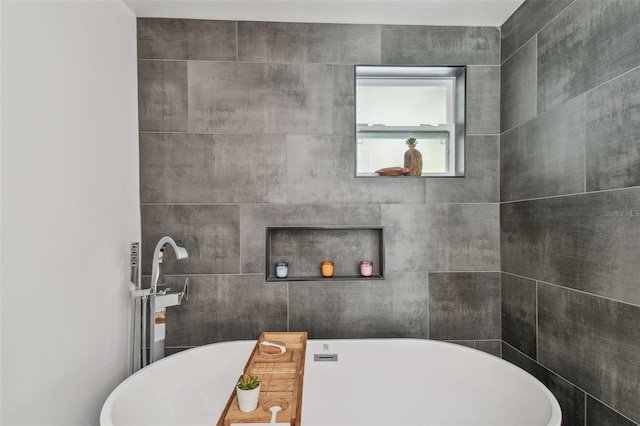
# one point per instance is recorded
(248, 399)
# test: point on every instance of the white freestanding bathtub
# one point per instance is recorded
(386, 382)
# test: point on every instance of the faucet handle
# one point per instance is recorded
(185, 291)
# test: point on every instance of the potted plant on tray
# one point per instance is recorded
(248, 390)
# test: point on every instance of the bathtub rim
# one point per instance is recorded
(556, 412)
(107, 408)
(106, 411)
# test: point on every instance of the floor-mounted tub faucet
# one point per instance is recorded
(160, 301)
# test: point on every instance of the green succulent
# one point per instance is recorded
(411, 142)
(248, 382)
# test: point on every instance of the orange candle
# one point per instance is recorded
(327, 268)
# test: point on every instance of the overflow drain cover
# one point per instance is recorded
(325, 357)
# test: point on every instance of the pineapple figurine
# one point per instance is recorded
(413, 158)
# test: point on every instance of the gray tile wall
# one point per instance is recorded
(570, 211)
(250, 124)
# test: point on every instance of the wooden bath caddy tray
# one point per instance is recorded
(281, 378)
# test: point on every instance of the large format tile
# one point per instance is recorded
(590, 242)
(483, 100)
(492, 347)
(464, 305)
(255, 218)
(193, 39)
(481, 183)
(321, 169)
(613, 134)
(592, 342)
(344, 100)
(544, 156)
(599, 414)
(590, 43)
(172, 350)
(162, 96)
(226, 307)
(434, 45)
(518, 87)
(518, 300)
(442, 237)
(260, 98)
(308, 43)
(211, 236)
(197, 168)
(525, 22)
(395, 307)
(570, 398)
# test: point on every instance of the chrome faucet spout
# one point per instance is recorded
(158, 253)
(159, 303)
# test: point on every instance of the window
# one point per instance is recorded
(397, 105)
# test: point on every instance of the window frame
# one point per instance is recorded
(452, 77)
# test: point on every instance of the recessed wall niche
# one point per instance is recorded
(304, 248)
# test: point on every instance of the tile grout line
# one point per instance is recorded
(609, 407)
(500, 183)
(611, 80)
(428, 309)
(240, 238)
(288, 307)
(451, 272)
(572, 289)
(500, 290)
(585, 409)
(573, 194)
(154, 132)
(517, 50)
(537, 32)
(591, 294)
(180, 203)
(537, 325)
(245, 274)
(564, 102)
(483, 134)
(221, 61)
(584, 143)
(380, 29)
(547, 111)
(587, 394)
(500, 45)
(560, 376)
(550, 370)
(585, 94)
(535, 45)
(568, 288)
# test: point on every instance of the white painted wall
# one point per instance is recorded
(70, 206)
